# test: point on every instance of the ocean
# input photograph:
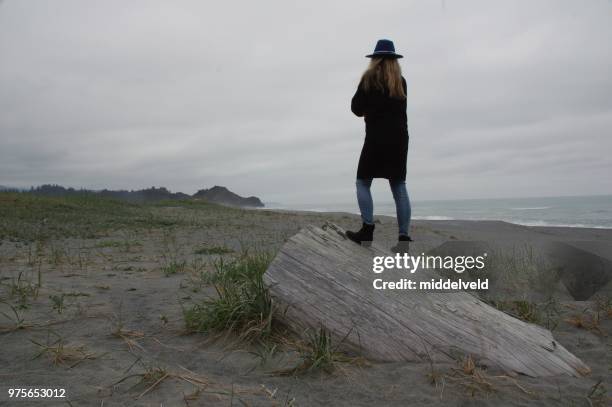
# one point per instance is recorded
(574, 211)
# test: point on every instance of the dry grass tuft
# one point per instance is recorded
(471, 377)
(61, 353)
(130, 337)
(152, 377)
(468, 366)
(603, 305)
(587, 322)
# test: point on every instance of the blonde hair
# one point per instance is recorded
(384, 74)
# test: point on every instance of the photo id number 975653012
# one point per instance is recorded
(34, 393)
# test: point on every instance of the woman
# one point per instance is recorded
(381, 100)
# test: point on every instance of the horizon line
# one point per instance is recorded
(25, 189)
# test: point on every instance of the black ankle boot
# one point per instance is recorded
(364, 236)
(403, 244)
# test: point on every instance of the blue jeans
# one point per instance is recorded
(400, 196)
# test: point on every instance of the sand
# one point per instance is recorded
(120, 337)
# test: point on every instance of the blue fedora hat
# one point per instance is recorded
(384, 48)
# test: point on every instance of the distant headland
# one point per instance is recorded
(217, 194)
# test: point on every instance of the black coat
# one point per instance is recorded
(385, 148)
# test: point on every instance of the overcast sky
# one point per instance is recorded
(505, 98)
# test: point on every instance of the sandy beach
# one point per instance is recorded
(93, 295)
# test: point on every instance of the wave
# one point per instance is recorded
(533, 208)
(542, 219)
(540, 223)
(561, 225)
(433, 217)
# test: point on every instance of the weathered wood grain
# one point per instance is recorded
(325, 279)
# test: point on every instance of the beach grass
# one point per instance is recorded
(211, 250)
(14, 315)
(27, 217)
(242, 304)
(23, 288)
(318, 352)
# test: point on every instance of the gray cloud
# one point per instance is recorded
(505, 98)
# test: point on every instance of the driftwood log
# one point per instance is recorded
(326, 280)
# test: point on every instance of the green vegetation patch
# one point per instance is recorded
(242, 305)
(28, 217)
(205, 250)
